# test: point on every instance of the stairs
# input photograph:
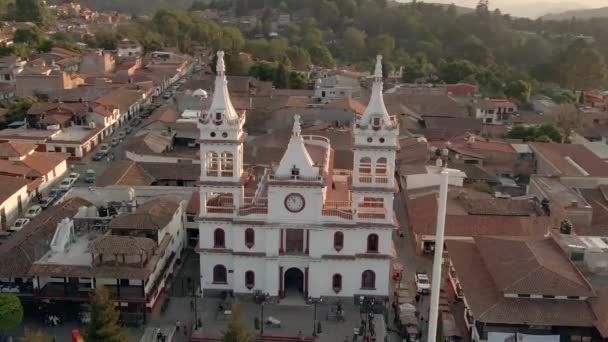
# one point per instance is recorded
(258, 339)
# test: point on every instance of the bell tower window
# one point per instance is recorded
(376, 122)
(295, 172)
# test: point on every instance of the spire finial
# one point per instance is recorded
(220, 67)
(297, 129)
(378, 70)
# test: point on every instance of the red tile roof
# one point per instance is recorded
(488, 305)
(560, 154)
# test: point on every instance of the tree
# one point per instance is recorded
(11, 312)
(353, 41)
(236, 331)
(582, 67)
(104, 324)
(320, 55)
(297, 80)
(456, 71)
(382, 44)
(28, 36)
(33, 336)
(519, 90)
(31, 10)
(17, 110)
(281, 77)
(299, 57)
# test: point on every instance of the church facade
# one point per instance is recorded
(301, 227)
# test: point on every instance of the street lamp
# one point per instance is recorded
(265, 297)
(314, 302)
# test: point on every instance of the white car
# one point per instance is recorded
(67, 183)
(75, 176)
(46, 202)
(20, 223)
(423, 284)
(33, 211)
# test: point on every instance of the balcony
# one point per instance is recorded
(370, 179)
(65, 291)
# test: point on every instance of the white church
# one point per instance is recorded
(302, 227)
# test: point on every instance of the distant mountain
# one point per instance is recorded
(579, 14)
(541, 8)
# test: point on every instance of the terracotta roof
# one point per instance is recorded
(560, 154)
(14, 149)
(194, 204)
(599, 305)
(30, 243)
(9, 186)
(150, 143)
(488, 305)
(13, 168)
(154, 214)
(127, 172)
(497, 206)
(44, 162)
(427, 105)
(422, 213)
(124, 172)
(533, 267)
(115, 244)
(121, 98)
(348, 104)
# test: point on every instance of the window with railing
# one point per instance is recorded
(368, 280)
(249, 237)
(220, 275)
(249, 280)
(365, 165)
(338, 241)
(336, 282)
(372, 243)
(212, 164)
(219, 238)
(227, 164)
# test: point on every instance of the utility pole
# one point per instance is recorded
(438, 258)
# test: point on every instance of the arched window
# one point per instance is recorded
(249, 237)
(226, 160)
(368, 280)
(212, 163)
(336, 282)
(365, 165)
(338, 241)
(372, 243)
(249, 280)
(220, 275)
(219, 238)
(381, 166)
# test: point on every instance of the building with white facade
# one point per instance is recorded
(301, 227)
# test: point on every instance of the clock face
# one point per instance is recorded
(294, 203)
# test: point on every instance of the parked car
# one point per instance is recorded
(75, 176)
(115, 141)
(67, 183)
(90, 176)
(104, 148)
(33, 211)
(56, 193)
(423, 284)
(129, 129)
(20, 223)
(98, 156)
(47, 202)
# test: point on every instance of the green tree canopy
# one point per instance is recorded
(320, 55)
(31, 10)
(11, 312)
(582, 67)
(104, 326)
(236, 330)
(519, 90)
(354, 43)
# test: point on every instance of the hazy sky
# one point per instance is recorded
(529, 8)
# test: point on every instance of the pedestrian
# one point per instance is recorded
(178, 324)
(185, 329)
(401, 234)
(192, 305)
(417, 298)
